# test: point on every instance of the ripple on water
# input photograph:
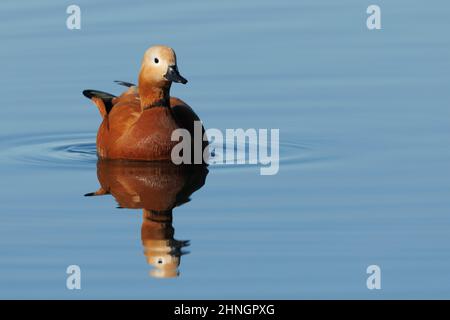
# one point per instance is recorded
(78, 151)
(74, 150)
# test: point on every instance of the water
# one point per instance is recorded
(364, 133)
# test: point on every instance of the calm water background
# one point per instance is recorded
(364, 121)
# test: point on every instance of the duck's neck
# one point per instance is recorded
(152, 96)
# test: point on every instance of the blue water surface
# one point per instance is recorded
(364, 122)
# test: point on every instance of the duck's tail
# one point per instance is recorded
(103, 100)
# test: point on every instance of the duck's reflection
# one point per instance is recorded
(157, 188)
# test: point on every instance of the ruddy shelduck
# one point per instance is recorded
(138, 124)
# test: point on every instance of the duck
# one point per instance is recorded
(138, 124)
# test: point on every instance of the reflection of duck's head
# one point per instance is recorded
(157, 188)
(163, 252)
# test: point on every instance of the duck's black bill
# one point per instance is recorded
(174, 76)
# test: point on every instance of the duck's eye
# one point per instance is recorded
(156, 60)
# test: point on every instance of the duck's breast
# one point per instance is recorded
(149, 137)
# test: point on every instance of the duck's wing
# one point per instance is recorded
(186, 117)
(184, 114)
(125, 112)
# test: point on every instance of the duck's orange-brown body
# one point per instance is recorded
(129, 133)
(138, 124)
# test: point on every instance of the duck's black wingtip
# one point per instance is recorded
(98, 94)
(124, 83)
(88, 93)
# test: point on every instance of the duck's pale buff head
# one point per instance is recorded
(159, 68)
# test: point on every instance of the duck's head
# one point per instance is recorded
(159, 67)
